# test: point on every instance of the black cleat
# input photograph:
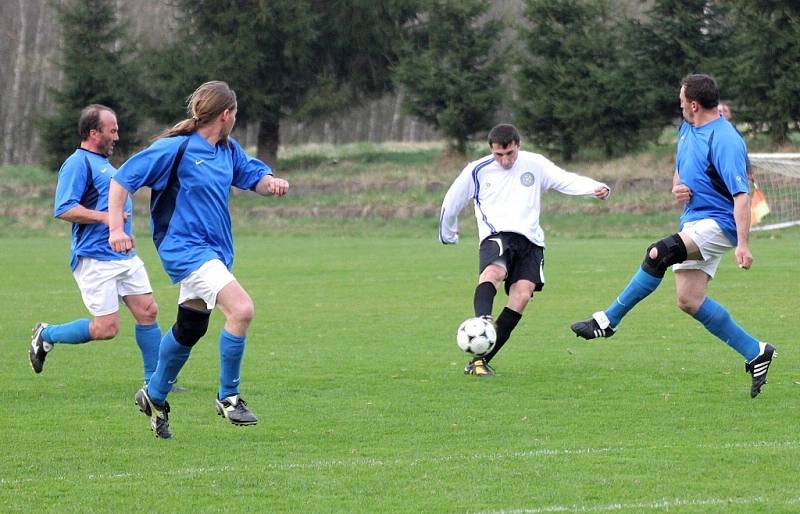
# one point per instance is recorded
(235, 410)
(39, 348)
(758, 367)
(478, 367)
(159, 415)
(594, 327)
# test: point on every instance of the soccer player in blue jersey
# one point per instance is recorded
(191, 168)
(103, 275)
(710, 180)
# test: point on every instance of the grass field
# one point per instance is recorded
(353, 369)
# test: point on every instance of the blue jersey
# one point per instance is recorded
(189, 204)
(712, 161)
(83, 180)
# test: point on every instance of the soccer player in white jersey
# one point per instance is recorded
(506, 188)
(710, 180)
(191, 168)
(103, 276)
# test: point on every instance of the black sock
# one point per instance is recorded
(506, 323)
(484, 298)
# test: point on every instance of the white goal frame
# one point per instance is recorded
(778, 176)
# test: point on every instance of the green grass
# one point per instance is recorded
(353, 369)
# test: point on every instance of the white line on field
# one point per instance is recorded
(370, 462)
(662, 504)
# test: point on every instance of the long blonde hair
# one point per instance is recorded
(203, 106)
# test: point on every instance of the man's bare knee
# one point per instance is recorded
(688, 304)
(145, 313)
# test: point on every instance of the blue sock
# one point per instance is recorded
(171, 357)
(718, 321)
(148, 337)
(74, 332)
(640, 286)
(231, 352)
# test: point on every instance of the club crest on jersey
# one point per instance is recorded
(526, 179)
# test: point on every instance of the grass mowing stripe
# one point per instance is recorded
(655, 505)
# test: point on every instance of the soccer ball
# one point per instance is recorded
(476, 336)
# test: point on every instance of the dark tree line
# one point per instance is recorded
(575, 74)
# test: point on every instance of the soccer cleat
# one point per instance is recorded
(235, 410)
(594, 327)
(491, 320)
(39, 348)
(759, 366)
(159, 416)
(478, 367)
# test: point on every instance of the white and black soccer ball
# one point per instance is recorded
(476, 336)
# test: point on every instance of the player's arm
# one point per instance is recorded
(253, 174)
(455, 200)
(83, 216)
(119, 240)
(269, 185)
(741, 214)
(682, 192)
(570, 183)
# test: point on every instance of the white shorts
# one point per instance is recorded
(102, 283)
(205, 283)
(712, 242)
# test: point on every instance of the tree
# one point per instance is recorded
(97, 65)
(282, 57)
(576, 85)
(676, 38)
(762, 74)
(451, 71)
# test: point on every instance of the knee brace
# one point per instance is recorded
(671, 250)
(190, 326)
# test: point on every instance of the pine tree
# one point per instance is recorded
(282, 57)
(676, 38)
(575, 85)
(97, 68)
(763, 77)
(451, 72)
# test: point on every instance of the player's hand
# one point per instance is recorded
(602, 192)
(278, 186)
(682, 193)
(120, 241)
(743, 257)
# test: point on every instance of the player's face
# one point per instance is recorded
(106, 137)
(687, 108)
(227, 123)
(505, 157)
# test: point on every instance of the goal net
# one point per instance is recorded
(777, 175)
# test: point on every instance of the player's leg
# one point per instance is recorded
(691, 286)
(525, 274)
(491, 273)
(176, 345)
(135, 290)
(519, 295)
(236, 305)
(658, 258)
(147, 330)
(97, 283)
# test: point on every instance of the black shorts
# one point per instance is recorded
(522, 259)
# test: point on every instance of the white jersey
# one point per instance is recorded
(508, 200)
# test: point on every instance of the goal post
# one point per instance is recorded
(777, 175)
